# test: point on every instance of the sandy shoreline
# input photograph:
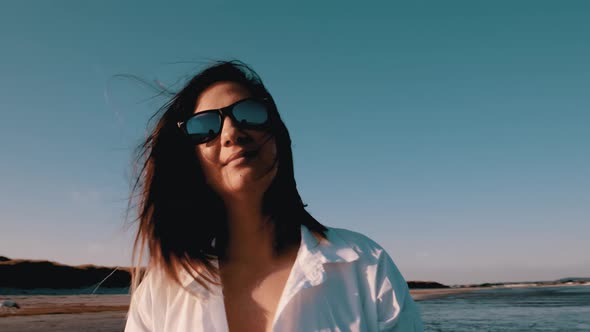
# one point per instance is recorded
(428, 294)
(69, 313)
(98, 313)
(109, 321)
(64, 304)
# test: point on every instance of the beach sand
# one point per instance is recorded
(99, 313)
(427, 294)
(108, 321)
(87, 313)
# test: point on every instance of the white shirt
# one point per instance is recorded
(345, 283)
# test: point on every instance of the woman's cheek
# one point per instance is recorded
(210, 170)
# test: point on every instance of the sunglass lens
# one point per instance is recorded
(203, 126)
(251, 112)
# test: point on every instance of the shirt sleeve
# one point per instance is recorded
(139, 315)
(396, 310)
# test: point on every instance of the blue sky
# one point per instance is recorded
(453, 133)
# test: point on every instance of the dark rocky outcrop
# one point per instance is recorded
(425, 285)
(29, 274)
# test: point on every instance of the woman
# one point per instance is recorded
(230, 244)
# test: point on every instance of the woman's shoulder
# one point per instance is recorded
(373, 258)
(154, 284)
(364, 246)
(373, 261)
(150, 282)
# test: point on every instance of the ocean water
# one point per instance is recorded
(519, 309)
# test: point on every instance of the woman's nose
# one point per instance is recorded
(231, 134)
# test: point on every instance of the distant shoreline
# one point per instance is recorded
(20, 276)
(67, 289)
(33, 305)
(108, 312)
(101, 312)
(429, 294)
(36, 305)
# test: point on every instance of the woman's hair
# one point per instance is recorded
(179, 214)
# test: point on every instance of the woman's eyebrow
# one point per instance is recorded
(205, 109)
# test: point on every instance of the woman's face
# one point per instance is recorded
(227, 173)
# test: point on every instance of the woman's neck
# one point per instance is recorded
(250, 232)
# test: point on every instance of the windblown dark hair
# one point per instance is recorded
(179, 214)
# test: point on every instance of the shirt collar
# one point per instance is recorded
(309, 266)
(332, 249)
(308, 270)
(195, 288)
(314, 253)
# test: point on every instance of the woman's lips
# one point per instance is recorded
(240, 157)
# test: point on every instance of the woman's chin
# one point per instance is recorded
(246, 183)
(246, 180)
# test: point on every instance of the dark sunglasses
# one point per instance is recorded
(205, 126)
